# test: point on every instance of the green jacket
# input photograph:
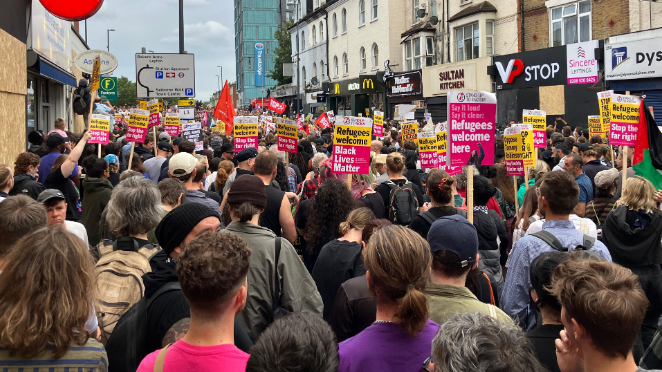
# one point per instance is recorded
(95, 198)
(298, 292)
(447, 300)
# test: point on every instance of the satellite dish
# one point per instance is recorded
(420, 13)
(434, 20)
(314, 81)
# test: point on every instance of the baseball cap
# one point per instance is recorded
(246, 154)
(165, 146)
(605, 178)
(112, 159)
(50, 194)
(227, 147)
(55, 140)
(320, 141)
(164, 136)
(583, 147)
(177, 141)
(182, 164)
(455, 234)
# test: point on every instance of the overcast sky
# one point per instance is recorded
(153, 24)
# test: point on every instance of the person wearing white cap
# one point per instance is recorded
(182, 166)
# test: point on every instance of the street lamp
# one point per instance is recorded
(222, 74)
(108, 37)
(218, 80)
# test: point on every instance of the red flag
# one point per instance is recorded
(277, 106)
(299, 122)
(323, 121)
(224, 110)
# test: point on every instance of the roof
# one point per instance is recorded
(484, 7)
(418, 27)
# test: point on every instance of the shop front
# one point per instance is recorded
(467, 75)
(633, 64)
(315, 103)
(352, 97)
(405, 88)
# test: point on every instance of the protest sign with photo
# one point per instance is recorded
(378, 125)
(441, 131)
(138, 121)
(537, 118)
(604, 101)
(172, 124)
(408, 130)
(595, 126)
(286, 131)
(427, 150)
(192, 132)
(512, 144)
(245, 132)
(624, 120)
(351, 145)
(471, 124)
(99, 129)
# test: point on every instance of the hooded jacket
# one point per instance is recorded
(490, 226)
(411, 173)
(630, 246)
(143, 152)
(95, 198)
(26, 185)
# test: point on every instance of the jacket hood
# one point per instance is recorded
(142, 150)
(22, 179)
(163, 271)
(410, 159)
(96, 184)
(632, 247)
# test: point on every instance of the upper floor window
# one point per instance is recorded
(345, 64)
(343, 20)
(322, 70)
(314, 35)
(375, 3)
(416, 5)
(375, 56)
(315, 70)
(303, 75)
(303, 40)
(571, 23)
(361, 12)
(321, 31)
(362, 58)
(335, 25)
(489, 38)
(335, 66)
(429, 51)
(468, 42)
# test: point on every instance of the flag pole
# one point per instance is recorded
(470, 193)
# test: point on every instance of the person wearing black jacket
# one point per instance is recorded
(411, 171)
(25, 176)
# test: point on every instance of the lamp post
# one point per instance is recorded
(218, 80)
(107, 38)
(181, 27)
(222, 74)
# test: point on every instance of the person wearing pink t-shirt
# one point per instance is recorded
(212, 272)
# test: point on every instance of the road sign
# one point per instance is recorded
(185, 102)
(187, 113)
(165, 75)
(108, 88)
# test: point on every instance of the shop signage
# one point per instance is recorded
(72, 10)
(85, 61)
(582, 66)
(51, 36)
(362, 85)
(108, 88)
(404, 84)
(531, 69)
(639, 59)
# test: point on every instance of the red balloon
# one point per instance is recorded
(72, 10)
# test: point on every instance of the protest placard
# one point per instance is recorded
(378, 124)
(351, 145)
(331, 116)
(138, 121)
(408, 130)
(512, 145)
(96, 73)
(192, 132)
(286, 131)
(428, 149)
(173, 125)
(537, 118)
(595, 126)
(323, 121)
(604, 101)
(99, 129)
(471, 118)
(245, 132)
(624, 120)
(142, 105)
(441, 131)
(526, 138)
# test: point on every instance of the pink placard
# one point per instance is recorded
(172, 130)
(624, 120)
(287, 144)
(136, 134)
(241, 143)
(351, 145)
(471, 118)
(450, 170)
(351, 159)
(378, 130)
(99, 129)
(154, 120)
(514, 168)
(98, 136)
(429, 159)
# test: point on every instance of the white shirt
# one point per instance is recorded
(77, 229)
(592, 230)
(209, 180)
(559, 166)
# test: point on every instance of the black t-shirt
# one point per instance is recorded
(375, 203)
(300, 223)
(421, 226)
(270, 218)
(384, 190)
(55, 180)
(542, 337)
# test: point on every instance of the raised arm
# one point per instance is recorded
(69, 165)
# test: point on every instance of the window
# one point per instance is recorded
(468, 42)
(489, 38)
(314, 35)
(344, 20)
(321, 31)
(417, 4)
(361, 12)
(303, 40)
(417, 53)
(335, 66)
(375, 56)
(362, 57)
(303, 75)
(374, 9)
(345, 64)
(322, 69)
(335, 25)
(429, 51)
(315, 70)
(408, 56)
(571, 23)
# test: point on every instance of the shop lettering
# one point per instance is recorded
(445, 76)
(642, 57)
(546, 71)
(353, 86)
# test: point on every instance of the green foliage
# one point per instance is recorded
(283, 54)
(126, 92)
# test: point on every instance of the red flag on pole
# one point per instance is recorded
(224, 110)
(323, 121)
(299, 122)
(276, 106)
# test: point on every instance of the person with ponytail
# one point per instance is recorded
(225, 169)
(439, 187)
(295, 289)
(340, 259)
(398, 262)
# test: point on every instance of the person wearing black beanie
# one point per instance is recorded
(183, 224)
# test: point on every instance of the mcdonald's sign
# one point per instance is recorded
(336, 89)
(368, 84)
(364, 84)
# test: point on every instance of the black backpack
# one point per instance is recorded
(79, 105)
(126, 347)
(550, 239)
(403, 204)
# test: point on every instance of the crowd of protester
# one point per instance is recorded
(171, 259)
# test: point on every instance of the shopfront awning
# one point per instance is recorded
(51, 71)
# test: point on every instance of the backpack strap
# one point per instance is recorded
(550, 239)
(160, 359)
(428, 216)
(588, 242)
(276, 298)
(489, 284)
(583, 226)
(170, 286)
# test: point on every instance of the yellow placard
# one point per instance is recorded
(409, 130)
(379, 118)
(100, 124)
(527, 148)
(245, 130)
(441, 142)
(624, 112)
(173, 120)
(595, 126)
(185, 102)
(155, 107)
(142, 105)
(286, 130)
(604, 101)
(512, 146)
(139, 121)
(118, 116)
(428, 144)
(96, 73)
(518, 144)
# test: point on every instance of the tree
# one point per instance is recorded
(126, 92)
(283, 54)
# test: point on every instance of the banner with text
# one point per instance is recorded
(537, 118)
(409, 129)
(427, 150)
(276, 106)
(512, 144)
(99, 129)
(624, 120)
(526, 145)
(173, 124)
(471, 123)
(595, 126)
(351, 145)
(604, 100)
(192, 131)
(378, 124)
(245, 132)
(441, 131)
(287, 130)
(138, 120)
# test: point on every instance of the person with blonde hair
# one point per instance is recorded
(6, 181)
(340, 259)
(402, 199)
(534, 172)
(398, 262)
(632, 233)
(46, 288)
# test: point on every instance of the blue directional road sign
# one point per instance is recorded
(159, 74)
(188, 91)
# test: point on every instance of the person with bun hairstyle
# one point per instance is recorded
(398, 268)
(98, 190)
(439, 187)
(395, 164)
(340, 259)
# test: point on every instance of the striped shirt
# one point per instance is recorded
(90, 357)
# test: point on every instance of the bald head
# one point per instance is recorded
(376, 146)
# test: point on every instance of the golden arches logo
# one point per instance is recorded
(368, 83)
(336, 89)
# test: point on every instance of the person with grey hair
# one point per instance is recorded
(473, 342)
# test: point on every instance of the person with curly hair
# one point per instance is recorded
(26, 167)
